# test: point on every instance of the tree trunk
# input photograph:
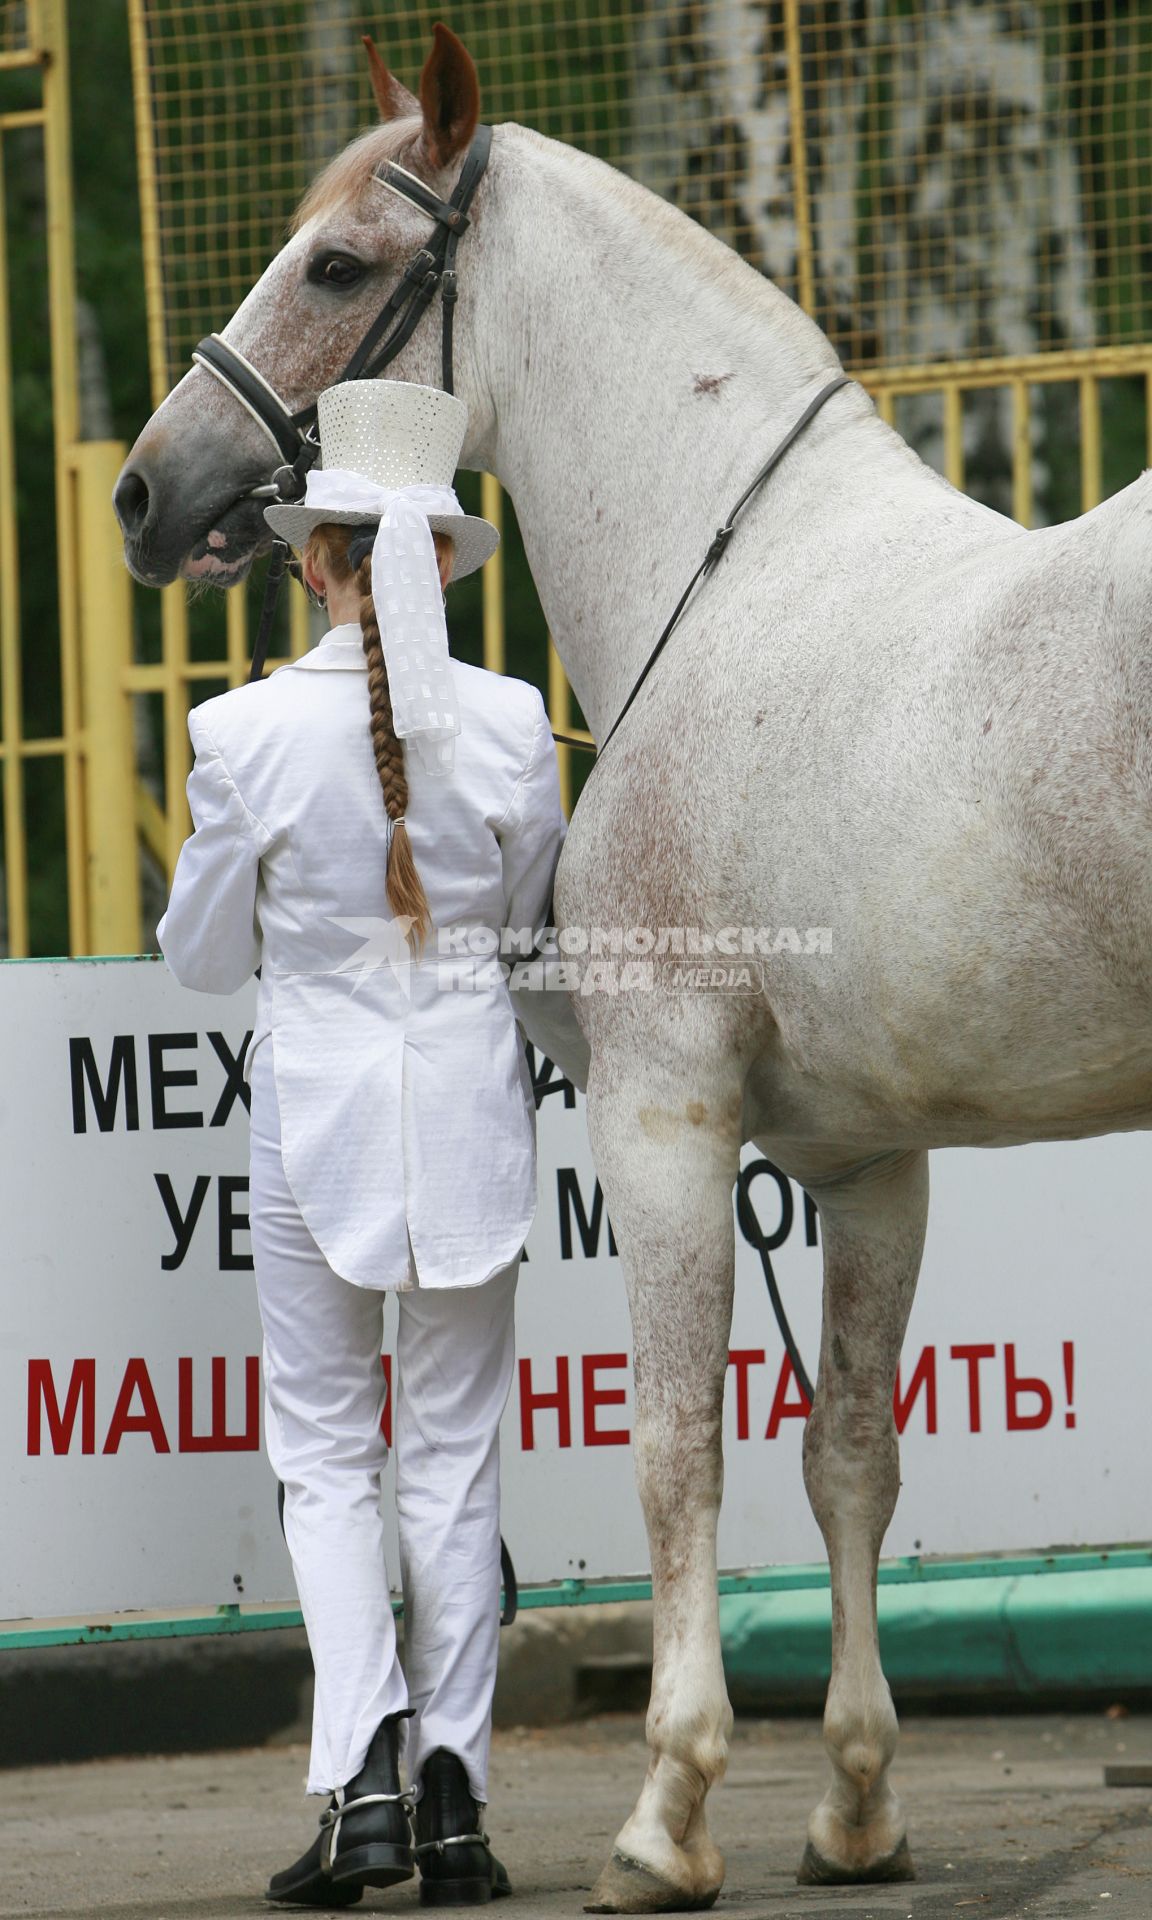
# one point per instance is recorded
(944, 193)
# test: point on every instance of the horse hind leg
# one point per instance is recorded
(872, 1226)
(667, 1158)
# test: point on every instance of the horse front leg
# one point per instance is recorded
(667, 1156)
(872, 1226)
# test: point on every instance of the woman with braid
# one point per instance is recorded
(366, 819)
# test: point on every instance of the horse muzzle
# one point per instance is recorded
(179, 523)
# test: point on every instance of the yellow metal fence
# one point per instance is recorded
(34, 41)
(1088, 370)
(959, 194)
(932, 179)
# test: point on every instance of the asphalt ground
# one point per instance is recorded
(1008, 1817)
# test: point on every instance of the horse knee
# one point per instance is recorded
(678, 1460)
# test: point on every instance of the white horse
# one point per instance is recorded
(889, 712)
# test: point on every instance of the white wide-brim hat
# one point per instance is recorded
(394, 435)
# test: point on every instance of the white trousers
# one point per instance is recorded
(324, 1400)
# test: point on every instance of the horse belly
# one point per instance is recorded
(897, 1046)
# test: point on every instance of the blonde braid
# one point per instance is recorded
(406, 895)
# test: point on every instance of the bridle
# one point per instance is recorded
(294, 434)
(434, 266)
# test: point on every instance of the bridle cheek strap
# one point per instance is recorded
(433, 266)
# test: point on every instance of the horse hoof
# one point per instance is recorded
(625, 1886)
(816, 1871)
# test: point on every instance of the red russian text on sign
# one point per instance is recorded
(136, 1409)
(532, 1403)
(596, 1396)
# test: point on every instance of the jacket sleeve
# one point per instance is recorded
(531, 833)
(210, 934)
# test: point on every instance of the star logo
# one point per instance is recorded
(383, 943)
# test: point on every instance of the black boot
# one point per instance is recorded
(364, 1838)
(457, 1866)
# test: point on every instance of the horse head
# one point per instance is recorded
(188, 499)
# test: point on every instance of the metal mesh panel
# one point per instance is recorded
(949, 180)
(13, 26)
(974, 177)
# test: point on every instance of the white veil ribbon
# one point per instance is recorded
(409, 604)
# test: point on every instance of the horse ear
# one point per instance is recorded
(449, 98)
(394, 100)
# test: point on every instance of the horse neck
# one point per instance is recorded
(638, 374)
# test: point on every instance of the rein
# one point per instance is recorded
(746, 1212)
(749, 1224)
(294, 434)
(714, 554)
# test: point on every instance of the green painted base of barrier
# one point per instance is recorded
(1020, 1623)
(1083, 1631)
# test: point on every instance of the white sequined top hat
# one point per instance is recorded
(393, 435)
(389, 451)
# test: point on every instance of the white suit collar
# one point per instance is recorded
(341, 647)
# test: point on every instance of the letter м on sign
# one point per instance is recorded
(105, 1097)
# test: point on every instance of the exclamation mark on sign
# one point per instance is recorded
(1070, 1416)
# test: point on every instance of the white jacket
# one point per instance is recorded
(405, 1102)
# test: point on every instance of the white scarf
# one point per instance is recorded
(409, 602)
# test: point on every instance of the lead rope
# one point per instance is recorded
(511, 1586)
(754, 1233)
(281, 561)
(277, 568)
(714, 554)
(745, 1212)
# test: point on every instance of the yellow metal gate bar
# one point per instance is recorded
(50, 17)
(94, 747)
(111, 876)
(1017, 377)
(12, 745)
(44, 51)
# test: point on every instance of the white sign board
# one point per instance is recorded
(130, 1399)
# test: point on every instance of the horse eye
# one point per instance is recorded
(335, 270)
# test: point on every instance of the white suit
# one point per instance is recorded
(393, 1147)
(290, 848)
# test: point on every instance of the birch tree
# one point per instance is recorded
(944, 190)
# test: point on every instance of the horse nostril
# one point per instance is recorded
(131, 501)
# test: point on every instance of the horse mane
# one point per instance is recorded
(622, 202)
(345, 177)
